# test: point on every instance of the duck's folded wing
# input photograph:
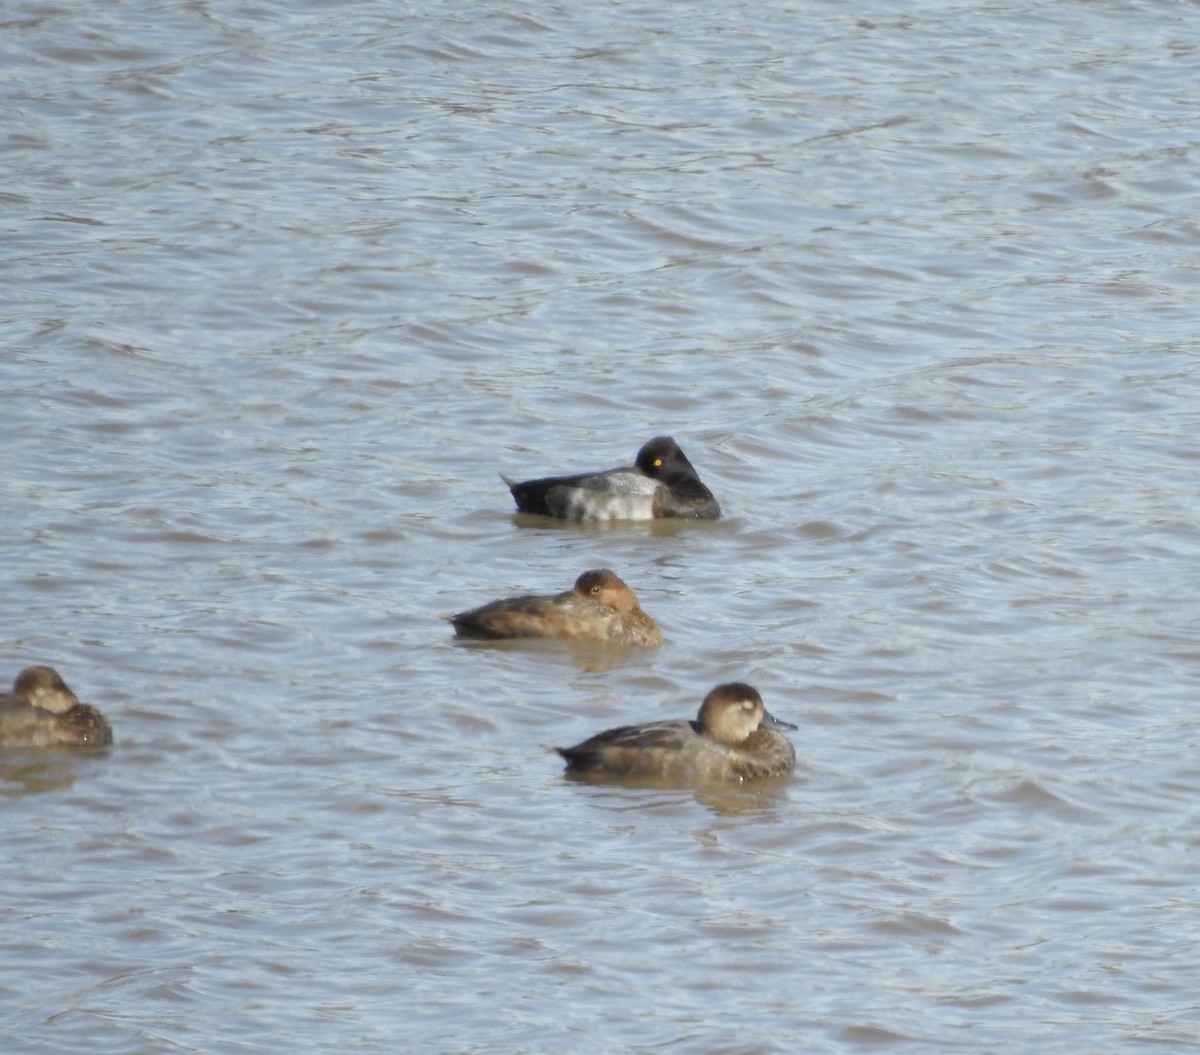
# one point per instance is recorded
(618, 481)
(546, 495)
(613, 745)
(510, 617)
(619, 495)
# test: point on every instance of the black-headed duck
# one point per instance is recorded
(42, 712)
(600, 607)
(733, 740)
(660, 483)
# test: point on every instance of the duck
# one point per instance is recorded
(661, 483)
(734, 740)
(42, 712)
(599, 607)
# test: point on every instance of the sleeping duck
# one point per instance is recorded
(599, 607)
(42, 712)
(661, 483)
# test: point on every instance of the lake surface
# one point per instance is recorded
(915, 286)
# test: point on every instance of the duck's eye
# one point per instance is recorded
(747, 705)
(658, 463)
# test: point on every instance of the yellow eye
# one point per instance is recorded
(657, 463)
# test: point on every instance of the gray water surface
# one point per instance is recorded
(287, 286)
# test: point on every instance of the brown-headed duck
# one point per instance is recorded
(733, 740)
(661, 483)
(600, 607)
(42, 712)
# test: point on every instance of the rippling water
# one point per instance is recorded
(287, 286)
